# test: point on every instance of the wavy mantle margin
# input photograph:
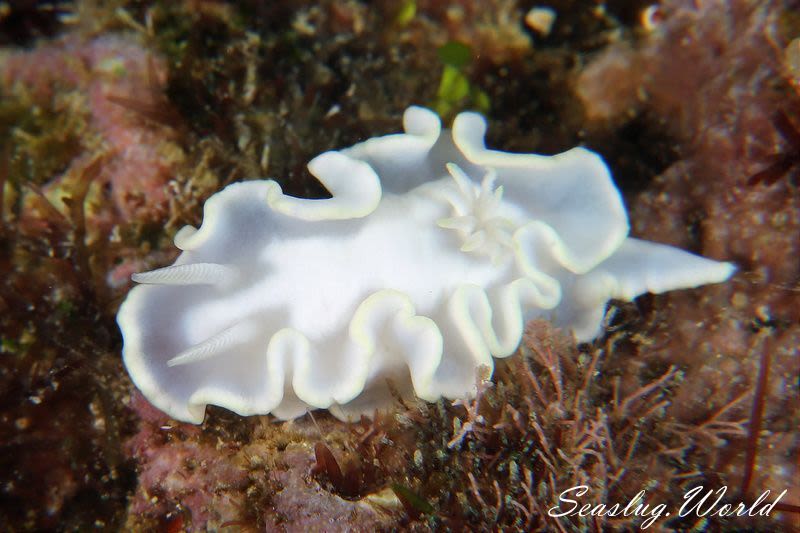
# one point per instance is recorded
(386, 311)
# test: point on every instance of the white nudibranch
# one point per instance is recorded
(424, 265)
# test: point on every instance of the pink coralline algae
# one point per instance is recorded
(182, 476)
(122, 86)
(191, 478)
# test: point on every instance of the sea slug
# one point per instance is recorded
(425, 263)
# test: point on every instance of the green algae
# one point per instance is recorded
(455, 91)
(406, 13)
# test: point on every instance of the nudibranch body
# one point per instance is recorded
(425, 263)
